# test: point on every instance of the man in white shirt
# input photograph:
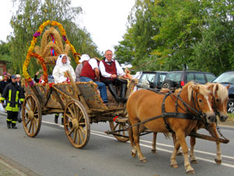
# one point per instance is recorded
(110, 70)
(90, 72)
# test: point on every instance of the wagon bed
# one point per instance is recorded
(80, 103)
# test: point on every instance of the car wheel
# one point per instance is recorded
(168, 84)
(230, 106)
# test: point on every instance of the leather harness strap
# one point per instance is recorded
(176, 114)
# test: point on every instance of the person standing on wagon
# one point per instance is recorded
(110, 70)
(13, 94)
(90, 72)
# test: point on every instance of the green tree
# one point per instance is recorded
(177, 34)
(215, 52)
(137, 43)
(31, 14)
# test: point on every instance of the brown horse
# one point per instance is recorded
(219, 105)
(192, 101)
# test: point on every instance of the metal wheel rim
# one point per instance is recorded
(31, 116)
(76, 124)
(231, 107)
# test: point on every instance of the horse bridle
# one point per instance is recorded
(189, 115)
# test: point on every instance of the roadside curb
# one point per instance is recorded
(10, 167)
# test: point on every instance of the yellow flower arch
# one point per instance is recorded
(30, 52)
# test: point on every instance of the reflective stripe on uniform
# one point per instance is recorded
(8, 107)
(9, 99)
(21, 99)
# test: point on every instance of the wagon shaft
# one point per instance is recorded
(206, 137)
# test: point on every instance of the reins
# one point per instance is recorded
(176, 114)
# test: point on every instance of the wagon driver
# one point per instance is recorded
(110, 70)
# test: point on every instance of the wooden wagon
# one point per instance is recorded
(79, 102)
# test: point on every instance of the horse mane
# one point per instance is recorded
(190, 87)
(222, 91)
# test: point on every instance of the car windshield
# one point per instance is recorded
(148, 76)
(225, 78)
(174, 76)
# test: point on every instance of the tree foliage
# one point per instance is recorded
(31, 14)
(177, 34)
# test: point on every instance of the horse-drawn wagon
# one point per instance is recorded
(80, 102)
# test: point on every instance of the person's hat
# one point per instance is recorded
(18, 76)
(5, 73)
(84, 57)
(13, 76)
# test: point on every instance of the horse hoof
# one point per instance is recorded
(133, 154)
(179, 154)
(194, 161)
(174, 166)
(153, 151)
(143, 160)
(218, 161)
(191, 172)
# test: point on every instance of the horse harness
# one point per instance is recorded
(200, 115)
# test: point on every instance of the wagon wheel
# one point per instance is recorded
(76, 124)
(31, 115)
(120, 126)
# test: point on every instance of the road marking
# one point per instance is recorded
(102, 134)
(197, 151)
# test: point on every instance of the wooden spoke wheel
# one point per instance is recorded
(76, 124)
(122, 134)
(31, 115)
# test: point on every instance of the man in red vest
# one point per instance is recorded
(110, 70)
(90, 72)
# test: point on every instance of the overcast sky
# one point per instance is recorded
(105, 20)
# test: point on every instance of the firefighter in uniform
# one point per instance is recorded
(13, 95)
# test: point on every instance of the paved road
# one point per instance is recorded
(50, 153)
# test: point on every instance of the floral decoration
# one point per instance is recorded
(32, 46)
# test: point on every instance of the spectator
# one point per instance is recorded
(41, 79)
(4, 82)
(12, 94)
(63, 65)
(18, 82)
(56, 116)
(90, 72)
(110, 70)
(84, 59)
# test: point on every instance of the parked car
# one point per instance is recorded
(152, 79)
(227, 78)
(177, 79)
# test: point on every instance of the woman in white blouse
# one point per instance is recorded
(63, 65)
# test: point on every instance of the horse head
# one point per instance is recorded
(219, 99)
(200, 98)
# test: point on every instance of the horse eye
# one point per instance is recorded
(200, 100)
(217, 100)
